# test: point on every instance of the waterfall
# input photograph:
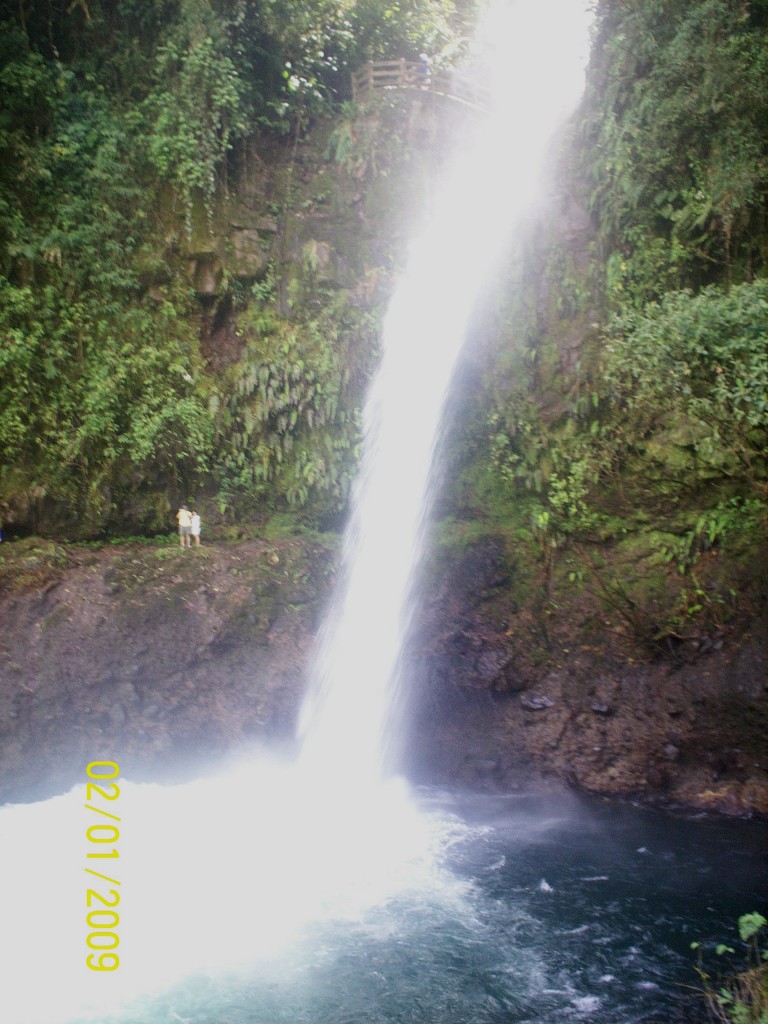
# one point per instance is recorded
(237, 869)
(531, 53)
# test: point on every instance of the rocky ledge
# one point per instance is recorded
(506, 693)
(167, 660)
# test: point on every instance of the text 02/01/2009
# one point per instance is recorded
(101, 916)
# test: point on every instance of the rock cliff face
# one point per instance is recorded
(294, 212)
(501, 698)
(168, 660)
(159, 658)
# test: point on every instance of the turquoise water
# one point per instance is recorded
(547, 910)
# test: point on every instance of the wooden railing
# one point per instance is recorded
(405, 74)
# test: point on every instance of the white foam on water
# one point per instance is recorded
(212, 875)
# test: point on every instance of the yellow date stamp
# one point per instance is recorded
(102, 836)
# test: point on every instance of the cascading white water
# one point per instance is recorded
(532, 55)
(224, 871)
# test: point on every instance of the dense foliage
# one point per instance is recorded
(678, 402)
(675, 144)
(645, 442)
(122, 126)
(288, 426)
(124, 131)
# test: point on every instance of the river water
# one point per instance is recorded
(549, 911)
(247, 898)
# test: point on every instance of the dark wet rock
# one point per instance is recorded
(161, 658)
(595, 712)
(536, 702)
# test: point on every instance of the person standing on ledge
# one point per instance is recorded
(184, 518)
(195, 527)
(424, 70)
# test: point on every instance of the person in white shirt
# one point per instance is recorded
(195, 527)
(184, 518)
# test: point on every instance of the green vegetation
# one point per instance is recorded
(129, 134)
(656, 467)
(675, 144)
(677, 399)
(740, 997)
(285, 425)
(618, 439)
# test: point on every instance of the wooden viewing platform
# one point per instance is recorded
(409, 74)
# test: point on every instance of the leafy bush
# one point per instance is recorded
(675, 144)
(87, 405)
(286, 425)
(682, 400)
(196, 106)
(686, 382)
(740, 997)
(663, 438)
